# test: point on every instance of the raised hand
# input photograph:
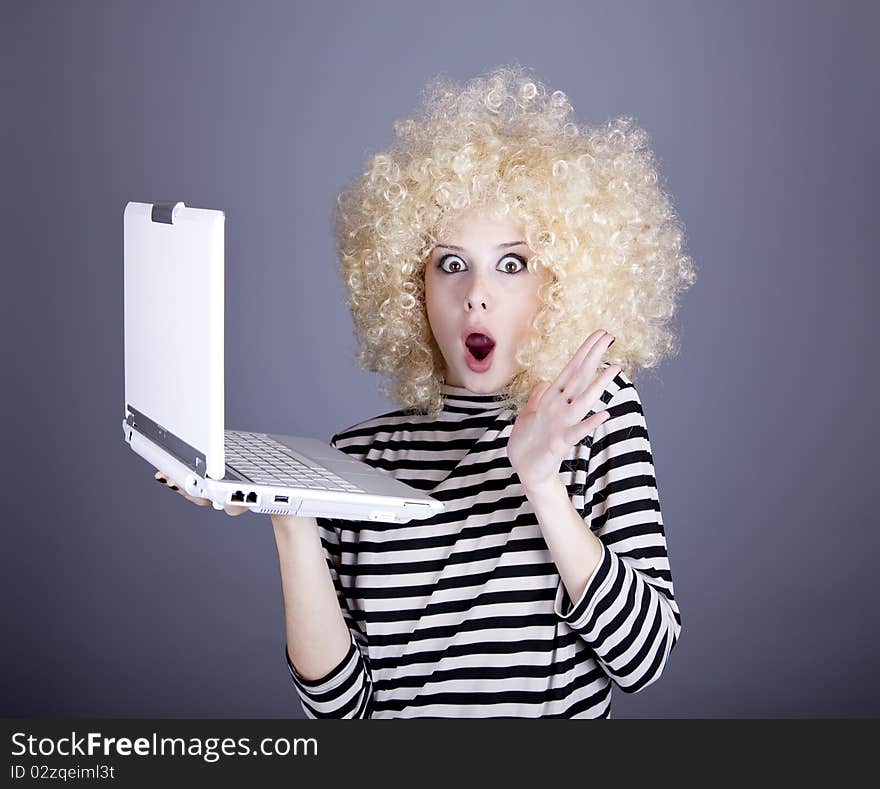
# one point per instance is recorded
(552, 420)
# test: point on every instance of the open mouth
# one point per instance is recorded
(479, 346)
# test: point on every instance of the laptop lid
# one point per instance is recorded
(174, 348)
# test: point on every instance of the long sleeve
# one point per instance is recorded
(346, 691)
(627, 613)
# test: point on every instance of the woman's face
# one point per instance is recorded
(481, 300)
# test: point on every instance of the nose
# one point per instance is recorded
(477, 296)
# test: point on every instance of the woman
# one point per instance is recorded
(491, 259)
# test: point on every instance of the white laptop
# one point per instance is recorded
(174, 388)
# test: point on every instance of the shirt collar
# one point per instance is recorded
(457, 399)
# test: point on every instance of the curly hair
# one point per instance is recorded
(589, 200)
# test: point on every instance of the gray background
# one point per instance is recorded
(123, 600)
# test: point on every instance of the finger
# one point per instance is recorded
(165, 479)
(161, 476)
(583, 376)
(194, 499)
(577, 433)
(563, 380)
(584, 402)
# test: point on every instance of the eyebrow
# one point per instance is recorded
(462, 249)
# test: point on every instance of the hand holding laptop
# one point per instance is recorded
(280, 522)
(165, 479)
(174, 402)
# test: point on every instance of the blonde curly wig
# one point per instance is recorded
(589, 200)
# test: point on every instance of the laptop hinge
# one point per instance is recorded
(189, 456)
(164, 212)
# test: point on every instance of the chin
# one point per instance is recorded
(481, 383)
(490, 381)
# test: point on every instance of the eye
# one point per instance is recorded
(512, 264)
(509, 264)
(456, 264)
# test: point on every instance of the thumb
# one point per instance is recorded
(536, 394)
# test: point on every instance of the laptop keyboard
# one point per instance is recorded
(266, 461)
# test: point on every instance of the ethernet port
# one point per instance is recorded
(237, 496)
(251, 498)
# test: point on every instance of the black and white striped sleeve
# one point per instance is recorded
(346, 690)
(628, 613)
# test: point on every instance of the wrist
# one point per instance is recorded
(292, 527)
(546, 489)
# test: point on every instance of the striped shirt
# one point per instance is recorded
(464, 614)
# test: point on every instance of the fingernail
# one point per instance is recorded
(159, 479)
(174, 487)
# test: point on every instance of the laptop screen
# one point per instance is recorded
(173, 302)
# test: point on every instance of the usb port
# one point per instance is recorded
(281, 498)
